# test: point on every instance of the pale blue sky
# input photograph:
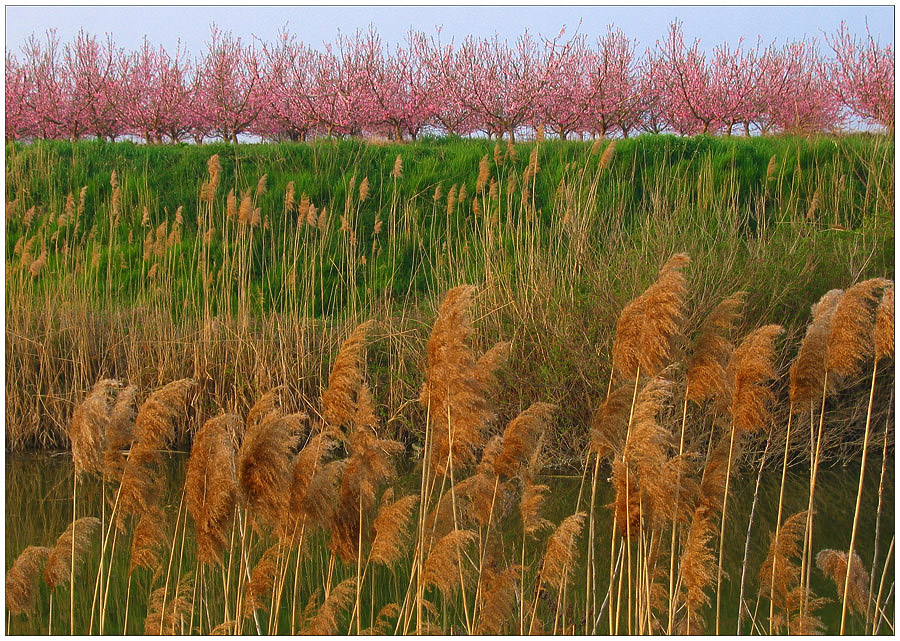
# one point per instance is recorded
(314, 25)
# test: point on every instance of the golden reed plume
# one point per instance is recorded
(342, 400)
(155, 423)
(834, 564)
(648, 324)
(148, 540)
(264, 467)
(177, 609)
(499, 603)
(752, 366)
(325, 620)
(383, 625)
(60, 558)
(442, 567)
(884, 325)
(321, 498)
(211, 485)
(23, 577)
(307, 465)
(609, 424)
(853, 325)
(779, 564)
(87, 431)
(807, 372)
(457, 388)
(119, 433)
(520, 438)
(391, 529)
(263, 578)
(369, 466)
(707, 375)
(559, 558)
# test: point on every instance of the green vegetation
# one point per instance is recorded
(139, 278)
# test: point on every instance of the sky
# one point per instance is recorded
(315, 25)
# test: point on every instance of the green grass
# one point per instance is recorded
(783, 218)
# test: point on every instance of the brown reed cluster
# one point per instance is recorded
(292, 508)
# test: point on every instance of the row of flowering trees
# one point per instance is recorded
(357, 86)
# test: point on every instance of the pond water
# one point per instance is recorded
(39, 508)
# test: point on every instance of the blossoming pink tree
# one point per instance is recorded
(228, 92)
(862, 75)
(156, 97)
(795, 91)
(685, 84)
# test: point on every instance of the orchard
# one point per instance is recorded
(358, 86)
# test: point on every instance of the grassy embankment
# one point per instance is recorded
(143, 278)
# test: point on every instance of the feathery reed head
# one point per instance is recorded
(779, 564)
(559, 558)
(370, 464)
(263, 578)
(698, 562)
(649, 323)
(443, 567)
(147, 543)
(325, 620)
(610, 422)
(264, 466)
(391, 530)
(119, 432)
(752, 366)
(383, 625)
(321, 497)
(177, 604)
(499, 599)
(87, 430)
(884, 325)
(530, 507)
(807, 372)
(852, 332)
(307, 464)
(155, 424)
(706, 370)
(834, 564)
(60, 558)
(23, 577)
(520, 438)
(211, 485)
(457, 386)
(341, 401)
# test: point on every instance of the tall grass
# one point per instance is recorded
(152, 263)
(363, 564)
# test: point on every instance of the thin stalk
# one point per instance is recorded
(862, 472)
(805, 559)
(72, 561)
(887, 425)
(722, 530)
(887, 560)
(762, 464)
(675, 521)
(127, 601)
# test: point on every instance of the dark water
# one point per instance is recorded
(39, 508)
